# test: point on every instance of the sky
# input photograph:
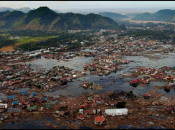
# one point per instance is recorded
(76, 6)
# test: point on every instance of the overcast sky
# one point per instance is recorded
(64, 6)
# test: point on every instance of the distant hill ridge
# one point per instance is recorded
(112, 15)
(166, 15)
(46, 19)
(23, 9)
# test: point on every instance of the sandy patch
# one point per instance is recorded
(150, 41)
(81, 56)
(8, 48)
(17, 44)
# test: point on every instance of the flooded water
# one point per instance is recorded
(43, 63)
(90, 50)
(110, 82)
(21, 89)
(76, 63)
(166, 46)
(2, 95)
(11, 109)
(156, 83)
(32, 124)
(170, 93)
(85, 127)
(133, 127)
(143, 61)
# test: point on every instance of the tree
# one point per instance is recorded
(131, 91)
(122, 27)
(121, 104)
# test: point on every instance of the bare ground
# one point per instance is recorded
(8, 48)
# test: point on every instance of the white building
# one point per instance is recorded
(82, 43)
(46, 51)
(3, 105)
(37, 53)
(32, 54)
(114, 112)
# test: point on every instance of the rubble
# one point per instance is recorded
(90, 109)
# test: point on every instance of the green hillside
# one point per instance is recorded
(166, 15)
(112, 15)
(45, 19)
(10, 18)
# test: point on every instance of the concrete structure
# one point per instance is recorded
(114, 112)
(3, 105)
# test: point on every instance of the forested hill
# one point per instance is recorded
(166, 15)
(112, 15)
(46, 19)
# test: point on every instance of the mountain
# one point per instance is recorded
(4, 13)
(9, 19)
(46, 19)
(166, 15)
(112, 15)
(131, 15)
(2, 9)
(24, 9)
(57, 11)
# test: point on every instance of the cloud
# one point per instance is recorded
(72, 5)
(14, 4)
(31, 4)
(60, 2)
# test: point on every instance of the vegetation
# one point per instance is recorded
(112, 15)
(54, 41)
(63, 108)
(121, 104)
(156, 35)
(4, 41)
(166, 15)
(4, 13)
(148, 24)
(38, 86)
(10, 19)
(46, 15)
(122, 27)
(10, 38)
(23, 40)
(44, 19)
(31, 33)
